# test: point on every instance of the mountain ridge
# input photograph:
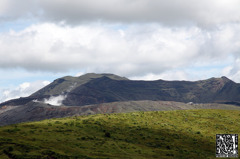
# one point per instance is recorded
(94, 88)
(65, 84)
(105, 90)
(108, 93)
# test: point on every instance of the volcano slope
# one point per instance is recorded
(159, 134)
(104, 88)
(38, 111)
(108, 93)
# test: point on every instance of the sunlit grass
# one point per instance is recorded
(163, 134)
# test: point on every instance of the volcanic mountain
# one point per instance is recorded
(104, 88)
(108, 93)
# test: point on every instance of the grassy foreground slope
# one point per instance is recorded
(163, 134)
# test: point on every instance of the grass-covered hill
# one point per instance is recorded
(159, 134)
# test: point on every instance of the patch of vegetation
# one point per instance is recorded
(163, 134)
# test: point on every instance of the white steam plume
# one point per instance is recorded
(55, 100)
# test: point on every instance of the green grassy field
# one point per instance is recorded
(163, 134)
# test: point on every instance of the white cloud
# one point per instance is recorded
(168, 75)
(23, 90)
(172, 12)
(11, 10)
(79, 74)
(186, 74)
(233, 71)
(3, 6)
(137, 38)
(132, 51)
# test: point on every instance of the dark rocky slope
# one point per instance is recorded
(104, 89)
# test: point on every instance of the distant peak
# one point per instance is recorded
(109, 75)
(225, 78)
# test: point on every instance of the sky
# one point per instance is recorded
(41, 40)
